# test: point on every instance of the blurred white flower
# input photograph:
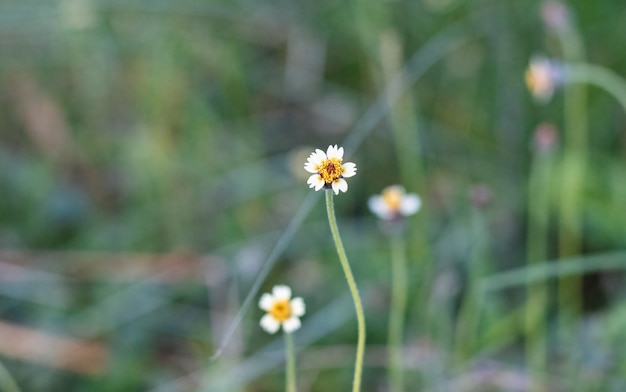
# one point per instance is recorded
(543, 76)
(556, 15)
(329, 170)
(394, 203)
(546, 138)
(281, 310)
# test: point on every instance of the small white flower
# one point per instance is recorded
(394, 203)
(543, 76)
(281, 310)
(556, 15)
(329, 170)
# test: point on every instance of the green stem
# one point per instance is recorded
(537, 253)
(573, 168)
(290, 364)
(360, 350)
(396, 316)
(7, 382)
(600, 77)
(468, 330)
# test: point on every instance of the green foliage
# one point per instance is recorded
(133, 131)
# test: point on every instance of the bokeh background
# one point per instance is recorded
(151, 168)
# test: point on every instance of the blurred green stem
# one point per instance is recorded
(573, 168)
(290, 364)
(473, 305)
(598, 76)
(7, 382)
(537, 253)
(405, 131)
(360, 350)
(396, 315)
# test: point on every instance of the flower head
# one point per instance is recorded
(556, 15)
(546, 138)
(394, 203)
(543, 76)
(329, 170)
(281, 310)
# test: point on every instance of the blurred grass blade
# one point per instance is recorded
(278, 249)
(555, 269)
(7, 382)
(432, 51)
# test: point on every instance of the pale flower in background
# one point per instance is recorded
(281, 310)
(546, 138)
(329, 170)
(556, 15)
(394, 203)
(542, 77)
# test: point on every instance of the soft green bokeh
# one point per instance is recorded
(137, 132)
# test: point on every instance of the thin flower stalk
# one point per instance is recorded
(360, 351)
(539, 191)
(574, 164)
(392, 206)
(598, 76)
(290, 364)
(399, 286)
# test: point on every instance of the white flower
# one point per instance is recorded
(281, 310)
(329, 170)
(394, 203)
(543, 76)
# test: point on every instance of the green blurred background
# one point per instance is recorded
(151, 156)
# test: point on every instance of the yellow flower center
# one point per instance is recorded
(330, 170)
(536, 82)
(281, 310)
(392, 198)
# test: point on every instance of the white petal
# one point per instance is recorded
(315, 159)
(339, 185)
(292, 324)
(378, 206)
(310, 167)
(317, 156)
(297, 307)
(269, 324)
(315, 181)
(410, 204)
(349, 169)
(266, 301)
(281, 292)
(330, 151)
(334, 152)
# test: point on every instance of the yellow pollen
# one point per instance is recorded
(331, 170)
(536, 82)
(281, 310)
(531, 81)
(392, 198)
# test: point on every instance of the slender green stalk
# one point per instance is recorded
(290, 364)
(360, 349)
(600, 77)
(468, 332)
(405, 131)
(7, 382)
(396, 315)
(573, 168)
(537, 253)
